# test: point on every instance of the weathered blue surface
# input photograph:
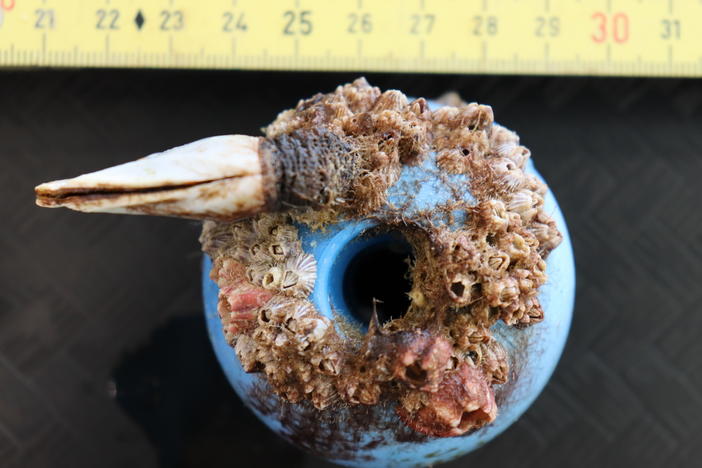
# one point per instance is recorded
(423, 188)
(535, 350)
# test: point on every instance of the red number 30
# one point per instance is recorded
(619, 25)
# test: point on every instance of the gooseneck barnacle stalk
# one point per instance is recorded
(454, 185)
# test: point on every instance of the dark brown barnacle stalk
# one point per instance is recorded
(309, 167)
(335, 156)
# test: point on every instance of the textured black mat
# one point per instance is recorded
(104, 359)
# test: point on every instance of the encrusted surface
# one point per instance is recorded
(438, 362)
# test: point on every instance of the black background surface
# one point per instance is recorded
(104, 359)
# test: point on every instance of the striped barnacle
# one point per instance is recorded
(525, 203)
(299, 275)
(507, 173)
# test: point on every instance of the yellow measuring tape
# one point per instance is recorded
(592, 37)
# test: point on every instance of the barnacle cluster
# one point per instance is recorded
(386, 131)
(439, 361)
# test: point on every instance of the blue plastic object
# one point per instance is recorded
(375, 442)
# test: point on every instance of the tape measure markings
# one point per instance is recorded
(599, 37)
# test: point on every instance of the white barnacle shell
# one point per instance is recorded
(276, 311)
(240, 253)
(505, 150)
(255, 273)
(516, 246)
(498, 261)
(510, 290)
(392, 99)
(300, 310)
(315, 327)
(242, 233)
(278, 250)
(514, 152)
(285, 234)
(507, 290)
(445, 115)
(266, 225)
(280, 340)
(524, 203)
(271, 279)
(507, 173)
(289, 281)
(215, 236)
(541, 231)
(535, 185)
(521, 155)
(329, 363)
(309, 330)
(460, 287)
(256, 250)
(498, 216)
(548, 236)
(299, 275)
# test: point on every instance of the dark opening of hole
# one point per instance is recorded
(476, 290)
(458, 288)
(468, 418)
(415, 374)
(379, 272)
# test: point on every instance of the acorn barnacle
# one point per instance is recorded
(299, 274)
(507, 173)
(525, 203)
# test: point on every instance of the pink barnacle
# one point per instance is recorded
(241, 295)
(237, 308)
(238, 298)
(463, 402)
(242, 303)
(421, 359)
